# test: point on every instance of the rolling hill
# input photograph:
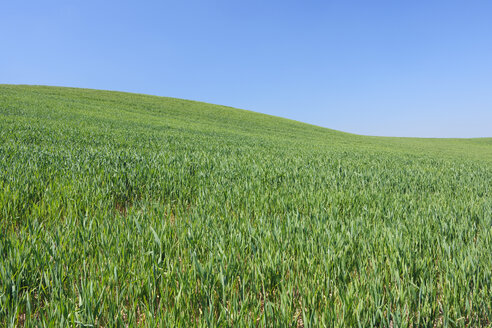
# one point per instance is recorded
(125, 209)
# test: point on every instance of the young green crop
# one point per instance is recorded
(121, 209)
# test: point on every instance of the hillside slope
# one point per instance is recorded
(101, 109)
(120, 208)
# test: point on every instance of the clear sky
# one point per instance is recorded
(396, 68)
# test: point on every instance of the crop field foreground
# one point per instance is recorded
(121, 209)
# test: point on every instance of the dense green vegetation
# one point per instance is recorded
(123, 209)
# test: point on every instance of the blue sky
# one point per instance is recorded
(395, 68)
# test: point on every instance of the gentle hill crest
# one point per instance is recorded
(157, 111)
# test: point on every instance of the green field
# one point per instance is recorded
(123, 209)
